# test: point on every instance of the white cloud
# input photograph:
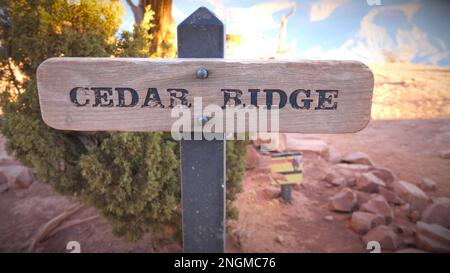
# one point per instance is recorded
(251, 25)
(214, 3)
(219, 5)
(373, 43)
(255, 19)
(322, 9)
(177, 14)
(416, 44)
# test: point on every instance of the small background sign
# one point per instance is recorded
(287, 168)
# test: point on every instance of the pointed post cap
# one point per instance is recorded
(202, 16)
(201, 35)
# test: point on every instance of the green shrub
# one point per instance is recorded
(132, 178)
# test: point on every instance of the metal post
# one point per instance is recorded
(201, 35)
(286, 193)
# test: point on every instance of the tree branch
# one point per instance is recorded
(138, 11)
(282, 36)
(12, 77)
(47, 229)
(130, 3)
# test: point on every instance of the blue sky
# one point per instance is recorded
(367, 30)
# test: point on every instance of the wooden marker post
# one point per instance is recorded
(203, 162)
(140, 94)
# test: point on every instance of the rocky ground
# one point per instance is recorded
(389, 183)
(349, 199)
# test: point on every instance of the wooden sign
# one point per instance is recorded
(287, 168)
(130, 94)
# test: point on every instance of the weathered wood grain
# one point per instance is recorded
(57, 76)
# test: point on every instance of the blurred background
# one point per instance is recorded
(120, 192)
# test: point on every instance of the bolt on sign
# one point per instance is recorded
(129, 94)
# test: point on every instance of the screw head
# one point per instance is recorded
(202, 73)
(202, 120)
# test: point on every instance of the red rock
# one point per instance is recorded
(334, 156)
(279, 239)
(343, 201)
(368, 182)
(362, 198)
(262, 138)
(390, 196)
(410, 193)
(437, 213)
(350, 181)
(17, 176)
(6, 160)
(339, 182)
(384, 235)
(408, 241)
(333, 178)
(442, 200)
(253, 158)
(445, 154)
(4, 187)
(362, 222)
(348, 174)
(379, 206)
(404, 227)
(358, 158)
(337, 179)
(271, 142)
(296, 142)
(433, 237)
(428, 184)
(330, 176)
(414, 216)
(402, 211)
(342, 170)
(3, 177)
(385, 174)
(354, 167)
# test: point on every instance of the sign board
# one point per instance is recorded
(132, 94)
(287, 168)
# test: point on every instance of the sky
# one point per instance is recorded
(371, 31)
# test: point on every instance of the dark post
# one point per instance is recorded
(201, 35)
(286, 193)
